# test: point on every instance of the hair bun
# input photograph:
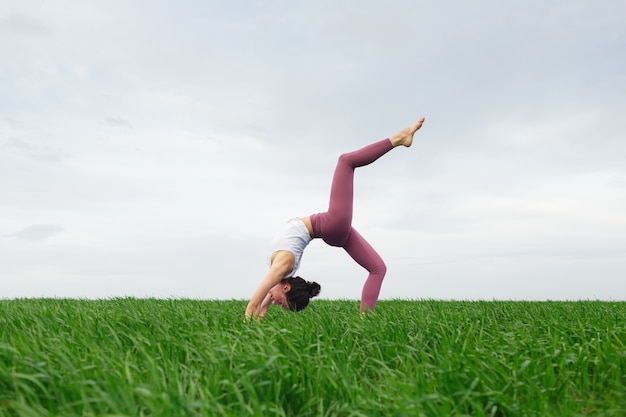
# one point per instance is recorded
(314, 288)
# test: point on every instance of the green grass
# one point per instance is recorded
(147, 357)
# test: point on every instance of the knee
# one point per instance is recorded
(344, 158)
(381, 269)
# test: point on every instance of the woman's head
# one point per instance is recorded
(300, 292)
(294, 293)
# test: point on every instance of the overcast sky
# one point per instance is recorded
(153, 149)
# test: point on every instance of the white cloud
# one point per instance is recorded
(37, 233)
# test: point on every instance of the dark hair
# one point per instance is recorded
(301, 292)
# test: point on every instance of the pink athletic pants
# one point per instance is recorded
(335, 225)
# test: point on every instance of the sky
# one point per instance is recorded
(154, 148)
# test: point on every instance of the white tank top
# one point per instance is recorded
(293, 238)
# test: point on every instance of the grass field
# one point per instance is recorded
(147, 357)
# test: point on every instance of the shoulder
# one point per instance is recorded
(283, 258)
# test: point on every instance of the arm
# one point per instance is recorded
(282, 264)
(265, 306)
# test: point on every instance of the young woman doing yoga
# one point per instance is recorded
(334, 226)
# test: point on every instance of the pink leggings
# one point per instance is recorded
(335, 225)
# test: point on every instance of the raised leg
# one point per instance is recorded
(339, 216)
(334, 225)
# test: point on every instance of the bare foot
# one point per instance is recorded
(405, 136)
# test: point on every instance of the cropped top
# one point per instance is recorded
(293, 238)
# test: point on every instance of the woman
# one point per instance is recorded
(279, 286)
